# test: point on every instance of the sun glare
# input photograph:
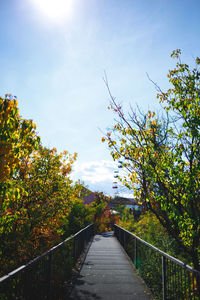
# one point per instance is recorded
(57, 10)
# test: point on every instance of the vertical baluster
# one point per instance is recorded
(49, 270)
(135, 253)
(164, 277)
(189, 283)
(124, 240)
(193, 287)
(74, 250)
(172, 276)
(185, 284)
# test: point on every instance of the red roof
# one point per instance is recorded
(89, 198)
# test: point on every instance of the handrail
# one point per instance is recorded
(177, 261)
(14, 272)
(167, 277)
(59, 260)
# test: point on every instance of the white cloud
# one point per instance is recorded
(94, 171)
(99, 176)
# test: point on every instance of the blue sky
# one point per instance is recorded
(55, 65)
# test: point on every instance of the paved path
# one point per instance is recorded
(107, 274)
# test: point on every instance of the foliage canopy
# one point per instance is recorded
(162, 155)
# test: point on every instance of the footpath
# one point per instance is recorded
(107, 274)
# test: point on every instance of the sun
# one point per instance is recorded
(56, 10)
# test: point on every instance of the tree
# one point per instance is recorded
(47, 198)
(18, 138)
(162, 156)
(79, 217)
(103, 217)
(36, 192)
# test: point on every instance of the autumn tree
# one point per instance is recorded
(47, 197)
(161, 154)
(36, 192)
(18, 138)
(102, 216)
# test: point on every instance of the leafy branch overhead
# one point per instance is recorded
(161, 154)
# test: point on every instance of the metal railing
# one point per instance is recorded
(167, 277)
(47, 276)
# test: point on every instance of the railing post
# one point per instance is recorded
(124, 240)
(87, 234)
(80, 243)
(85, 237)
(49, 276)
(120, 236)
(135, 253)
(74, 250)
(82, 240)
(164, 277)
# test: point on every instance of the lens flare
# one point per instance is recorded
(57, 10)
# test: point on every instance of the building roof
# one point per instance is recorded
(122, 201)
(89, 198)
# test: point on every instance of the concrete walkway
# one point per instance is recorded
(107, 274)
